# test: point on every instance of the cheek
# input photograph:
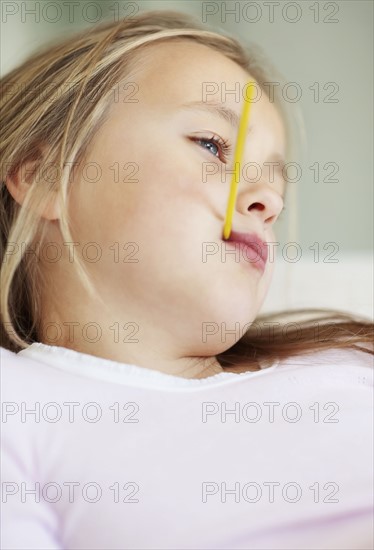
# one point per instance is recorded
(158, 223)
(268, 275)
(265, 283)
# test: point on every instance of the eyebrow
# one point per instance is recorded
(233, 118)
(217, 109)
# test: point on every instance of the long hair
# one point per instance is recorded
(60, 97)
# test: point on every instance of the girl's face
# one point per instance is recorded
(158, 208)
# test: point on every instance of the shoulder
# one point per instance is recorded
(335, 370)
(16, 368)
(342, 358)
(27, 379)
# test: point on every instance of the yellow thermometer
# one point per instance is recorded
(242, 132)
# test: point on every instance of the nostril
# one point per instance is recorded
(257, 205)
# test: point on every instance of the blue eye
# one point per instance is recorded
(215, 145)
(211, 142)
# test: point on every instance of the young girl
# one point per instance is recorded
(145, 402)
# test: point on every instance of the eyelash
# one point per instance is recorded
(223, 146)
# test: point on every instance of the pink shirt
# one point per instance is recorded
(105, 455)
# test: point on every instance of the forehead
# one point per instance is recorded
(181, 67)
(172, 73)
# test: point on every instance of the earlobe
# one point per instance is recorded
(50, 210)
(19, 183)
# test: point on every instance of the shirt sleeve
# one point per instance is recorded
(28, 520)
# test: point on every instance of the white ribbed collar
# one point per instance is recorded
(105, 369)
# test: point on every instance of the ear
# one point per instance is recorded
(19, 182)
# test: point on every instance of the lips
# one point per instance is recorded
(253, 242)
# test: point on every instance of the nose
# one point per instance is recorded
(260, 200)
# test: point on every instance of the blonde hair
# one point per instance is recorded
(60, 96)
